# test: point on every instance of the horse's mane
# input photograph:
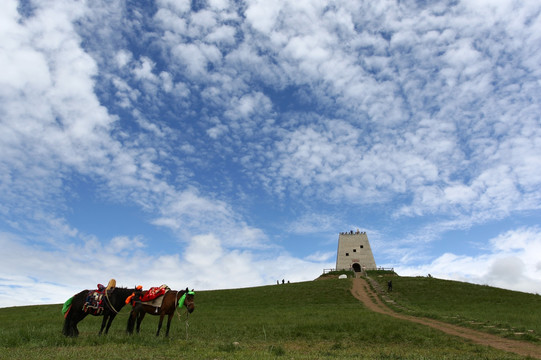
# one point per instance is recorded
(123, 290)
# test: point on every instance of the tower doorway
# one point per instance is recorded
(356, 267)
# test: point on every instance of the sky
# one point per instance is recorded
(217, 144)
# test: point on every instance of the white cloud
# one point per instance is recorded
(204, 19)
(204, 250)
(123, 57)
(512, 262)
(51, 119)
(170, 21)
(122, 243)
(247, 114)
(181, 6)
(425, 110)
(144, 70)
(219, 4)
(205, 264)
(262, 15)
(312, 224)
(321, 256)
(223, 34)
(460, 194)
(195, 58)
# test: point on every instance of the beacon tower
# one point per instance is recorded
(354, 252)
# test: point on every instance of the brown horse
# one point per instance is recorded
(171, 300)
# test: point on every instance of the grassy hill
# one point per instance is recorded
(309, 320)
(511, 314)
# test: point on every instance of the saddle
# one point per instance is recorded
(94, 301)
(153, 293)
(154, 297)
(94, 298)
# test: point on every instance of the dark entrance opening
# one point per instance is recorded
(356, 267)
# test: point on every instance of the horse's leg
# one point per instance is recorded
(74, 322)
(160, 324)
(111, 318)
(140, 317)
(131, 322)
(103, 322)
(71, 329)
(168, 324)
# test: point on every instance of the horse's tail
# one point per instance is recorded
(66, 330)
(67, 306)
(66, 311)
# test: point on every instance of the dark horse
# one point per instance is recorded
(113, 301)
(170, 302)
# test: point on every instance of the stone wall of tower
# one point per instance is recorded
(354, 248)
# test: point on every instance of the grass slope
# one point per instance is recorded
(309, 320)
(507, 313)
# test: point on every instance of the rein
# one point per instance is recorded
(180, 303)
(109, 301)
(177, 300)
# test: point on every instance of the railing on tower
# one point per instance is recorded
(380, 268)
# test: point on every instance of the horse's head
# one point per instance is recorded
(138, 293)
(189, 300)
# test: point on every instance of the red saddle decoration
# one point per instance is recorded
(153, 293)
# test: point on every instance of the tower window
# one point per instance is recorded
(362, 246)
(347, 254)
(354, 250)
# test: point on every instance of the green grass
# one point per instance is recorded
(508, 313)
(335, 274)
(309, 320)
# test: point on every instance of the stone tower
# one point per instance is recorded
(354, 252)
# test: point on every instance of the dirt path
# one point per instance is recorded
(362, 291)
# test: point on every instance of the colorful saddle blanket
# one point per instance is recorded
(154, 296)
(153, 293)
(94, 302)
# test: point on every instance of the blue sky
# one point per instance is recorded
(220, 144)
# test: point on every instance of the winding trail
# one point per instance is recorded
(362, 291)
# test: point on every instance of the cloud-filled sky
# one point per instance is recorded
(218, 144)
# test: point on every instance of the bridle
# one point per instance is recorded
(182, 298)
